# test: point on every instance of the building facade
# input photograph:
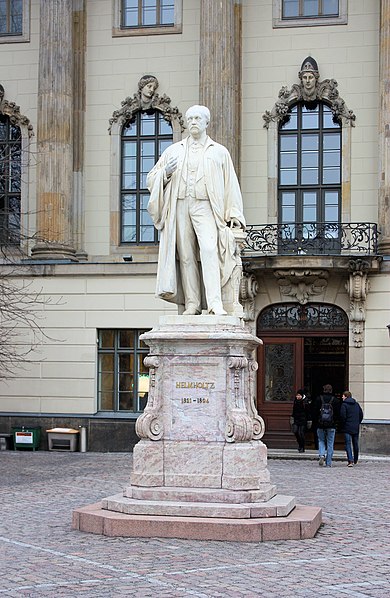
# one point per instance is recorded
(92, 92)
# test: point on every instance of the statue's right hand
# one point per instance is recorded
(171, 166)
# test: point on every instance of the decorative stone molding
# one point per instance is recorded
(257, 421)
(239, 426)
(357, 287)
(302, 284)
(243, 421)
(149, 424)
(249, 287)
(12, 110)
(310, 89)
(139, 101)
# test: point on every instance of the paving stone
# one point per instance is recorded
(42, 556)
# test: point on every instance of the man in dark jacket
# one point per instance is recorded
(300, 418)
(351, 416)
(326, 410)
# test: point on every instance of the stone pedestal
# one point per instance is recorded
(200, 456)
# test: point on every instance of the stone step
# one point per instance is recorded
(220, 495)
(278, 506)
(302, 523)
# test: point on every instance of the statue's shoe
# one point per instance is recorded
(191, 311)
(217, 311)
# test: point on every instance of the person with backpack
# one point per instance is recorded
(351, 416)
(300, 418)
(326, 410)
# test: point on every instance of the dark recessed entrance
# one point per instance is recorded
(304, 346)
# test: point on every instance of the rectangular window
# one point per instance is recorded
(298, 13)
(147, 17)
(123, 380)
(14, 21)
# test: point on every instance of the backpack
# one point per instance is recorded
(326, 413)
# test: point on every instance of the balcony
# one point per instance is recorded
(311, 239)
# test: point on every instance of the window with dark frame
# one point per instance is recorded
(309, 9)
(144, 138)
(123, 380)
(11, 17)
(10, 181)
(309, 171)
(148, 13)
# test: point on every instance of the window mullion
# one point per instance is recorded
(158, 12)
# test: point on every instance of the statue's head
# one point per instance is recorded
(309, 76)
(198, 118)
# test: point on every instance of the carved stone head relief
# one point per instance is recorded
(309, 76)
(147, 86)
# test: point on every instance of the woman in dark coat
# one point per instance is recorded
(300, 418)
(351, 416)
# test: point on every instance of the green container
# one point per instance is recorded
(26, 437)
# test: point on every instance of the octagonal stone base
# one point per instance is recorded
(301, 523)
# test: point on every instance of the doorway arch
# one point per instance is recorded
(304, 346)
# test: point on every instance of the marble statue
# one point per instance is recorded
(195, 201)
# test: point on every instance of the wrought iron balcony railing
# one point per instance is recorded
(312, 238)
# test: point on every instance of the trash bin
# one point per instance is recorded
(26, 437)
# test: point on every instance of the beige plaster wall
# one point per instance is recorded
(114, 67)
(62, 375)
(272, 58)
(377, 348)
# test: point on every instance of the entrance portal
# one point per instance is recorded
(304, 346)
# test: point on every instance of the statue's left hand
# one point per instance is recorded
(234, 223)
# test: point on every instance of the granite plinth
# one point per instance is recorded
(302, 523)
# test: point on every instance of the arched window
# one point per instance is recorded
(309, 173)
(10, 181)
(144, 138)
(294, 317)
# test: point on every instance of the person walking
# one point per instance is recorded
(300, 418)
(326, 410)
(351, 416)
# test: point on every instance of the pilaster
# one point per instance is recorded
(54, 132)
(384, 126)
(220, 71)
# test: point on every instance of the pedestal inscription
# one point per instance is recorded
(197, 398)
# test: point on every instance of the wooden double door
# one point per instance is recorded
(288, 363)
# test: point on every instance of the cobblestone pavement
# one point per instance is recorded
(40, 555)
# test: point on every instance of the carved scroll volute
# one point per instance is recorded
(239, 427)
(249, 288)
(257, 421)
(357, 288)
(149, 424)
